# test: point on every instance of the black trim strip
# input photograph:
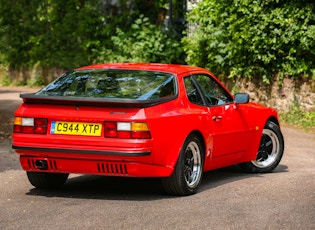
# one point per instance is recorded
(31, 98)
(82, 151)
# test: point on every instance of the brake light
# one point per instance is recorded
(127, 130)
(30, 125)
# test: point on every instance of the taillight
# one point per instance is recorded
(127, 130)
(30, 125)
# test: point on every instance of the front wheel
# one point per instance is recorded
(47, 180)
(187, 174)
(270, 150)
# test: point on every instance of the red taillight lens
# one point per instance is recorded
(17, 129)
(30, 125)
(40, 125)
(27, 129)
(124, 134)
(110, 129)
(141, 135)
(127, 130)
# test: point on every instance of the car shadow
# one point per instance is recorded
(231, 174)
(119, 188)
(105, 188)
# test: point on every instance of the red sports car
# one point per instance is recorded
(142, 120)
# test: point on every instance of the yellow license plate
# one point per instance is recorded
(76, 128)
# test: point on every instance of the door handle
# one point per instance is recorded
(216, 118)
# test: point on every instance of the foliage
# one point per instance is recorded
(297, 117)
(143, 42)
(67, 34)
(253, 38)
(4, 80)
(54, 33)
(16, 25)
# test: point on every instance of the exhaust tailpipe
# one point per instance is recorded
(41, 164)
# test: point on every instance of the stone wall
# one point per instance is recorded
(279, 96)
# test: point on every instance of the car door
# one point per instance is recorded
(227, 123)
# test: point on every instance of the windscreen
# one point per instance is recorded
(125, 84)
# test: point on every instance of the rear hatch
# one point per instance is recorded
(102, 111)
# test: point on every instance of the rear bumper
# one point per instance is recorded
(97, 167)
(85, 151)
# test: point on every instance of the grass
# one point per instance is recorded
(299, 119)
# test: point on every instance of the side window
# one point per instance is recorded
(192, 92)
(213, 92)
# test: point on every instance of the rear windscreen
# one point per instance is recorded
(125, 84)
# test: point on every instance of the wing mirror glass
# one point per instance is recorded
(241, 98)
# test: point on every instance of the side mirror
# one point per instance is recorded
(241, 98)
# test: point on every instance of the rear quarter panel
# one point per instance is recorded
(170, 127)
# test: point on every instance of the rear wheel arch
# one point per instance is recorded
(201, 138)
(199, 135)
(187, 175)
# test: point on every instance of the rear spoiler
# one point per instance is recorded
(31, 98)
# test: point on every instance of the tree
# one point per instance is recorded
(18, 29)
(142, 42)
(67, 34)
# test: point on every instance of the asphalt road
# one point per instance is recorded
(228, 198)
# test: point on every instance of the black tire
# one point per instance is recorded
(270, 150)
(47, 180)
(188, 171)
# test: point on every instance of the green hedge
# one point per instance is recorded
(253, 38)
